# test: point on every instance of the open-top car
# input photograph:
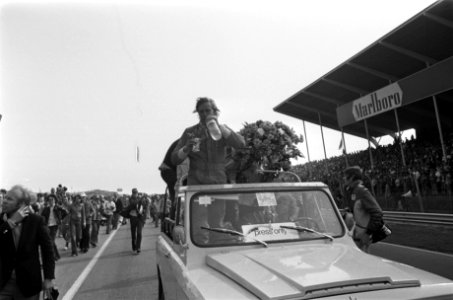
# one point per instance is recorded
(275, 241)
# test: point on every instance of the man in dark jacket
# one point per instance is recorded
(208, 159)
(136, 211)
(168, 171)
(53, 214)
(366, 211)
(23, 235)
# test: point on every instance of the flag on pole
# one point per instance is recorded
(341, 146)
(374, 142)
(137, 154)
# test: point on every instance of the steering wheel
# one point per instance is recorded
(307, 222)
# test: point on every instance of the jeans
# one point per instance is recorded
(85, 241)
(108, 224)
(76, 234)
(94, 232)
(136, 232)
(53, 234)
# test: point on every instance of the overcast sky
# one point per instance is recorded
(84, 85)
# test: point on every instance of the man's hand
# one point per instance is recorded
(188, 147)
(20, 214)
(212, 117)
(48, 284)
(226, 132)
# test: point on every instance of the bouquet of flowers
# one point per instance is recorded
(268, 146)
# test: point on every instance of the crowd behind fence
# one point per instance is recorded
(422, 183)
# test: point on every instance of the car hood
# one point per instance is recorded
(309, 271)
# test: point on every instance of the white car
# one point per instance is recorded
(275, 241)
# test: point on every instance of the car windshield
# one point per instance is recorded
(262, 217)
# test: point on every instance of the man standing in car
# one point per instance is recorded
(207, 154)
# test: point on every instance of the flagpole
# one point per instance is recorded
(369, 144)
(322, 135)
(308, 152)
(439, 127)
(306, 140)
(345, 153)
(399, 136)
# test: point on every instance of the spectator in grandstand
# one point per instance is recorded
(366, 211)
(136, 211)
(76, 222)
(23, 241)
(207, 156)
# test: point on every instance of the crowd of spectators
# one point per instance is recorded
(426, 172)
(78, 217)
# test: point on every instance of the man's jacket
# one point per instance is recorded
(25, 259)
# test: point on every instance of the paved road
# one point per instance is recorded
(435, 262)
(114, 272)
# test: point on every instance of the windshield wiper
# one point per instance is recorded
(233, 232)
(300, 228)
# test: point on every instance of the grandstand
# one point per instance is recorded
(403, 80)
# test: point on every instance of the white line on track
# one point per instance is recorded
(78, 283)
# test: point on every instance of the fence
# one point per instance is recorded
(442, 204)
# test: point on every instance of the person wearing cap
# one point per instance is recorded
(207, 158)
(366, 211)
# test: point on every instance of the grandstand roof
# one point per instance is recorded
(423, 41)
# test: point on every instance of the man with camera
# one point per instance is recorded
(367, 213)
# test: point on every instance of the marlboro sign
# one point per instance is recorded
(428, 82)
(385, 99)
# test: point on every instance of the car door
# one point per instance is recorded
(170, 252)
